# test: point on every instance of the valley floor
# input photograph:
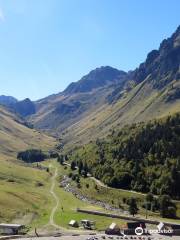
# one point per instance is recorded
(56, 207)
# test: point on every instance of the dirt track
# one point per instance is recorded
(51, 219)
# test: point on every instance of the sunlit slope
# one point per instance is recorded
(23, 190)
(59, 111)
(15, 136)
(22, 200)
(141, 104)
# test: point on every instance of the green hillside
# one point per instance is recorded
(21, 198)
(16, 136)
(143, 157)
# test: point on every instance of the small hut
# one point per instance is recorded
(10, 229)
(73, 223)
(113, 229)
(87, 224)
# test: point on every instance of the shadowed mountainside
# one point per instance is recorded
(23, 108)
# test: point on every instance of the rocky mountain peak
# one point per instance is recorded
(96, 78)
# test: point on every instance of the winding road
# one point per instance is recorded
(101, 184)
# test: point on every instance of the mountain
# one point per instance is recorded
(57, 112)
(161, 66)
(24, 108)
(7, 100)
(90, 117)
(99, 77)
(107, 98)
(16, 136)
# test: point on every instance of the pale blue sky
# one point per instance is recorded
(46, 44)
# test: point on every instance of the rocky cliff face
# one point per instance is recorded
(160, 63)
(162, 66)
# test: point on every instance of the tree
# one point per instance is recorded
(149, 201)
(61, 159)
(167, 208)
(85, 169)
(144, 157)
(149, 197)
(77, 179)
(31, 155)
(172, 212)
(133, 209)
(80, 166)
(175, 176)
(73, 165)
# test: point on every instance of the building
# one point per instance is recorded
(113, 229)
(87, 224)
(73, 223)
(10, 229)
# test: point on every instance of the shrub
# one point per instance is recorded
(70, 175)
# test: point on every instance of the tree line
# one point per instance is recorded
(35, 155)
(143, 157)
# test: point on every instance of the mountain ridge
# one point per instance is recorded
(106, 97)
(98, 77)
(7, 100)
(24, 107)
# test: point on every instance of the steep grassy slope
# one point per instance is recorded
(141, 104)
(57, 112)
(21, 198)
(55, 115)
(15, 136)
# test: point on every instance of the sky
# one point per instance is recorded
(47, 44)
